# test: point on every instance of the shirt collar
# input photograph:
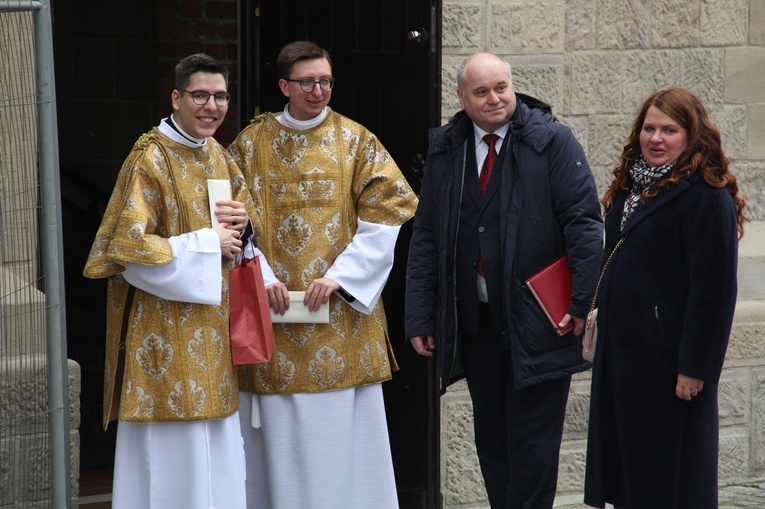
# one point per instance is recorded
(480, 133)
(172, 130)
(286, 119)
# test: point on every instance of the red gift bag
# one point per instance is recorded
(252, 334)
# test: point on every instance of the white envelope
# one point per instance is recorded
(298, 313)
(217, 189)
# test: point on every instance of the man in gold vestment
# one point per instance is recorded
(333, 201)
(169, 378)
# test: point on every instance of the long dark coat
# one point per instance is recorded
(548, 207)
(666, 306)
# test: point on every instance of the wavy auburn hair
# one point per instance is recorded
(703, 152)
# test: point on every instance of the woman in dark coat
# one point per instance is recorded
(665, 309)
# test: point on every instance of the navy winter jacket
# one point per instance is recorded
(549, 207)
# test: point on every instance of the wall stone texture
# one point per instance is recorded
(595, 62)
(24, 446)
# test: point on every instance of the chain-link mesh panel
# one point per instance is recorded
(25, 446)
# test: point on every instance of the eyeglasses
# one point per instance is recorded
(307, 84)
(201, 97)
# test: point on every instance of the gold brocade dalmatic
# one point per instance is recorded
(313, 186)
(175, 355)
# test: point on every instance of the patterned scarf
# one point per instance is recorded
(643, 179)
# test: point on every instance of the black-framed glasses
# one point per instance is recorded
(307, 84)
(201, 97)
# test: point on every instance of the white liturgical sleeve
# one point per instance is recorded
(363, 267)
(194, 274)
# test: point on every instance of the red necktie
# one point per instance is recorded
(483, 180)
(488, 163)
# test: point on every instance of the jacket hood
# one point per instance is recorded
(529, 124)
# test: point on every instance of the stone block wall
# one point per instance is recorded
(24, 446)
(595, 62)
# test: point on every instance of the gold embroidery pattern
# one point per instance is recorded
(165, 310)
(196, 348)
(290, 148)
(369, 359)
(217, 342)
(137, 314)
(373, 154)
(144, 408)
(350, 140)
(159, 164)
(135, 232)
(326, 367)
(228, 393)
(332, 231)
(154, 356)
(316, 269)
(294, 235)
(352, 143)
(173, 214)
(175, 399)
(317, 189)
(280, 272)
(130, 204)
(402, 189)
(150, 196)
(336, 318)
(198, 397)
(115, 306)
(298, 333)
(180, 162)
(257, 183)
(357, 322)
(279, 191)
(184, 311)
(286, 369)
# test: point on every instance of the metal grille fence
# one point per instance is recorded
(34, 408)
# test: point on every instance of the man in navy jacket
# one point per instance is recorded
(474, 244)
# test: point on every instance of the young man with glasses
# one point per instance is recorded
(169, 377)
(333, 201)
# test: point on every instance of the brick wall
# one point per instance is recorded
(192, 26)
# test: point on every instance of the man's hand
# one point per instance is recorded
(318, 292)
(232, 214)
(688, 387)
(230, 245)
(425, 345)
(278, 297)
(578, 323)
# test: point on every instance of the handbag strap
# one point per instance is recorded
(605, 266)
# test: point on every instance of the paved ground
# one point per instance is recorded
(748, 494)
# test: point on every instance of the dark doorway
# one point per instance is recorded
(388, 79)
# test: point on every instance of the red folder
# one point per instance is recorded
(551, 287)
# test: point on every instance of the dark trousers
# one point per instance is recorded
(517, 432)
